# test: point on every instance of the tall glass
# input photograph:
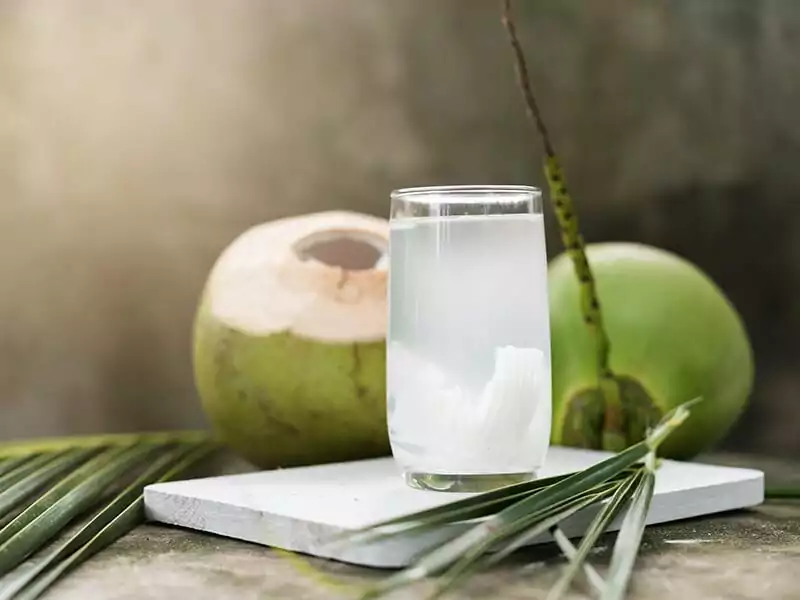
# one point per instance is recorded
(468, 348)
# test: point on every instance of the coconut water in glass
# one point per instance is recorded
(468, 346)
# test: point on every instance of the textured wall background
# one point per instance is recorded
(137, 139)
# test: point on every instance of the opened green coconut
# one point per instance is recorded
(674, 337)
(289, 345)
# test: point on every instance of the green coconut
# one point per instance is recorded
(674, 337)
(289, 341)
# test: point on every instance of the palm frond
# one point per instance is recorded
(63, 503)
(10, 464)
(630, 534)
(521, 533)
(26, 448)
(564, 510)
(462, 510)
(521, 514)
(596, 528)
(510, 517)
(32, 475)
(569, 550)
(98, 521)
(466, 509)
(122, 514)
(48, 486)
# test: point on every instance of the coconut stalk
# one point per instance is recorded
(49, 486)
(567, 218)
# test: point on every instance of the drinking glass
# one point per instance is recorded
(468, 346)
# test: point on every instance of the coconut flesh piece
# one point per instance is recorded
(321, 277)
(503, 427)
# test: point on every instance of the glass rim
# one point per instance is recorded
(464, 190)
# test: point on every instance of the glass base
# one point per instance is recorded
(435, 482)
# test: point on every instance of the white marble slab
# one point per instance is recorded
(297, 509)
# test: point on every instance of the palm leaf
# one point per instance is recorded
(115, 519)
(525, 529)
(562, 489)
(11, 464)
(583, 500)
(461, 510)
(25, 448)
(63, 503)
(596, 528)
(33, 474)
(46, 486)
(100, 519)
(518, 514)
(125, 521)
(466, 509)
(630, 535)
(571, 552)
(528, 516)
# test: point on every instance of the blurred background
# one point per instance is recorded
(137, 139)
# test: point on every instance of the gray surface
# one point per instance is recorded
(743, 555)
(752, 554)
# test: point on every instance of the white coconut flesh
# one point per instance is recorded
(321, 276)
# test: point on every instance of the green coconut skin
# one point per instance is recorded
(674, 337)
(283, 401)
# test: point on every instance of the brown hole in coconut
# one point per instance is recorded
(349, 250)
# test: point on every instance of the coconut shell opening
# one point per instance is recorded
(320, 276)
(350, 250)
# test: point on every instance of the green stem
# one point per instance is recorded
(784, 492)
(613, 426)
